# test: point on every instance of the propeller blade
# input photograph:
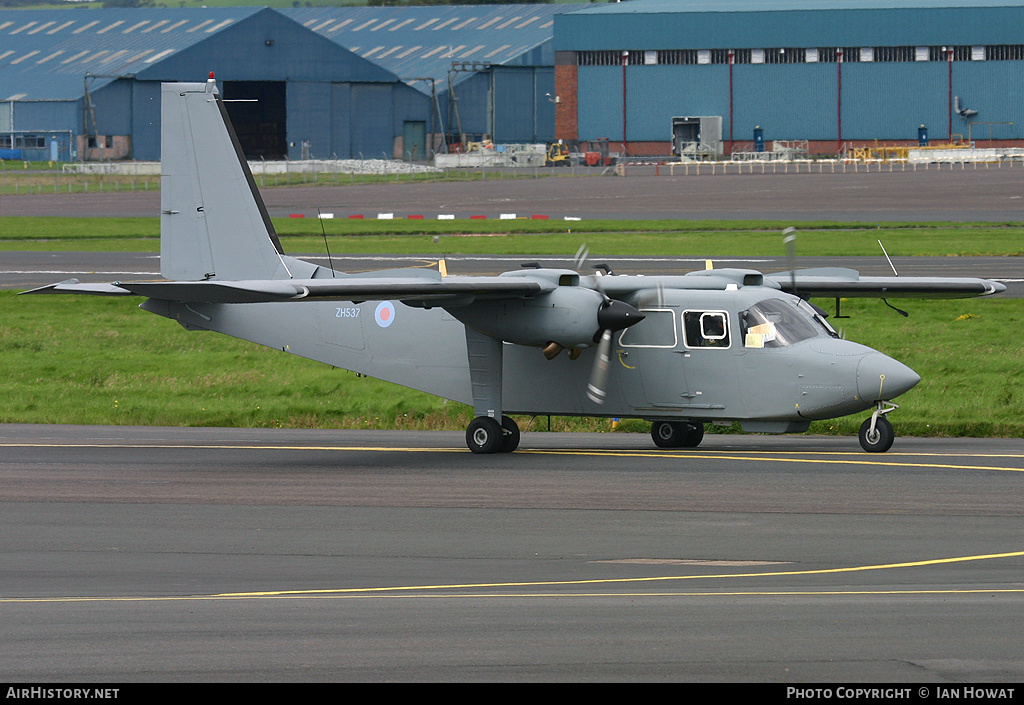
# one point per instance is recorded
(581, 257)
(652, 298)
(599, 375)
(789, 237)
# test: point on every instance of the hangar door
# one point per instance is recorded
(258, 112)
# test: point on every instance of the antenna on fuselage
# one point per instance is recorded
(887, 258)
(323, 231)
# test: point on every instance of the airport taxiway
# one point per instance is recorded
(936, 194)
(245, 555)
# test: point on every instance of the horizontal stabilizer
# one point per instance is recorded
(74, 286)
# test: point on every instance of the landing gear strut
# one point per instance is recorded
(876, 433)
(485, 433)
(677, 434)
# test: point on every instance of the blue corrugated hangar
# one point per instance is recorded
(338, 83)
(488, 69)
(832, 72)
(403, 81)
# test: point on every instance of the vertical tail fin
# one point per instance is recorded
(213, 223)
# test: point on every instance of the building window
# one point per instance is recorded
(29, 142)
(785, 56)
(894, 53)
(599, 58)
(830, 55)
(798, 55)
(1005, 52)
(960, 53)
(678, 56)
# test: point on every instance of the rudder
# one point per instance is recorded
(213, 222)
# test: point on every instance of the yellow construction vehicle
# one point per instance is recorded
(557, 154)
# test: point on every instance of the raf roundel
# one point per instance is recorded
(385, 314)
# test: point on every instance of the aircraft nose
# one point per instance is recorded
(879, 378)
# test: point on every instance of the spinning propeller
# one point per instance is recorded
(611, 316)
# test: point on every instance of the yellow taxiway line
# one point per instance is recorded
(782, 456)
(405, 590)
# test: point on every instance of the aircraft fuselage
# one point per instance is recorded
(753, 355)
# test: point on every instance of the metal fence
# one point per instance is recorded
(16, 179)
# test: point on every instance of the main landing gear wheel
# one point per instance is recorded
(510, 435)
(486, 435)
(677, 434)
(879, 440)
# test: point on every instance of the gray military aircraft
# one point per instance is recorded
(718, 345)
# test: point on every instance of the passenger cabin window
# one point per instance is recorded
(706, 329)
(657, 330)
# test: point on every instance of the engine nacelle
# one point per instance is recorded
(571, 316)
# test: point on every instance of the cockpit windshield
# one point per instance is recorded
(776, 323)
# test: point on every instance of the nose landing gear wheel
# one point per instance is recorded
(879, 440)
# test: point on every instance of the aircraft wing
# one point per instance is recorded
(355, 288)
(837, 282)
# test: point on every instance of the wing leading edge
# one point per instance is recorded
(421, 288)
(414, 289)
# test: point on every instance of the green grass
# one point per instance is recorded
(104, 361)
(48, 178)
(968, 355)
(680, 238)
(86, 360)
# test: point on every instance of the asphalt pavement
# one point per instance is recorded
(266, 555)
(242, 555)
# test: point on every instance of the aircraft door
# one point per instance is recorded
(650, 363)
(708, 338)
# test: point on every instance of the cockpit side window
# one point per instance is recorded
(776, 323)
(706, 329)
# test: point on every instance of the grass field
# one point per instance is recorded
(85, 360)
(680, 238)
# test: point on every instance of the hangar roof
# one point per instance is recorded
(653, 6)
(47, 53)
(421, 42)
